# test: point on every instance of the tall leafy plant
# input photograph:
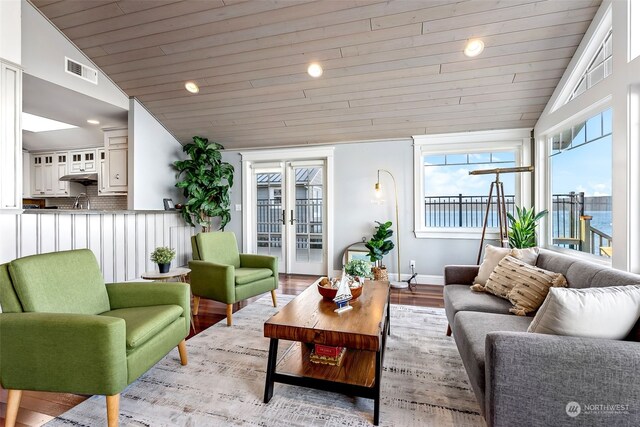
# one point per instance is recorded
(522, 233)
(379, 245)
(205, 180)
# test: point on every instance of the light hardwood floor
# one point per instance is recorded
(37, 408)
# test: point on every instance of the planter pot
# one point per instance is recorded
(380, 274)
(164, 268)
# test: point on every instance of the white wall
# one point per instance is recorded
(356, 166)
(43, 51)
(621, 92)
(10, 37)
(152, 151)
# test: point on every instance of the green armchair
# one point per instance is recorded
(63, 330)
(220, 273)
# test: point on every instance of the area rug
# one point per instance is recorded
(423, 382)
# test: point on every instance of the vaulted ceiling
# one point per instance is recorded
(392, 69)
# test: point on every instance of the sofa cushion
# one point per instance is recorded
(460, 298)
(532, 286)
(609, 312)
(143, 323)
(492, 256)
(60, 282)
(246, 275)
(470, 330)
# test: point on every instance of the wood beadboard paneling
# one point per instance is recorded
(381, 59)
(121, 242)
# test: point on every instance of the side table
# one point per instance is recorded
(180, 273)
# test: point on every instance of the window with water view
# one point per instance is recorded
(581, 161)
(453, 198)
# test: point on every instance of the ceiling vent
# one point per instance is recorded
(81, 70)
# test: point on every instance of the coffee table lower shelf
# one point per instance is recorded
(358, 367)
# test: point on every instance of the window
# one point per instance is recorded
(598, 69)
(449, 202)
(453, 198)
(581, 161)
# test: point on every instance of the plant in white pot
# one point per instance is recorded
(163, 256)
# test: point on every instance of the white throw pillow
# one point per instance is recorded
(528, 255)
(492, 256)
(609, 312)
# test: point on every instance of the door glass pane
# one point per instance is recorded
(269, 214)
(309, 214)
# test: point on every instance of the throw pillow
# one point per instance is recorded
(528, 255)
(609, 312)
(531, 288)
(492, 256)
(504, 277)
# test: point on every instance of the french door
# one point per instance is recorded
(289, 212)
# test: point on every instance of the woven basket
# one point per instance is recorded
(380, 274)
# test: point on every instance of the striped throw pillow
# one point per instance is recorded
(504, 277)
(531, 287)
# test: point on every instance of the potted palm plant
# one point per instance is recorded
(163, 256)
(206, 181)
(379, 245)
(522, 233)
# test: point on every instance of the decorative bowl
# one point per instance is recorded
(330, 293)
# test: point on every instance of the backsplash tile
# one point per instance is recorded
(107, 203)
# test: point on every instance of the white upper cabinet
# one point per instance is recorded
(83, 161)
(115, 177)
(10, 137)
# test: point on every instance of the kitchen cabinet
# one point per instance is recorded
(102, 171)
(82, 161)
(10, 136)
(116, 162)
(42, 174)
(46, 171)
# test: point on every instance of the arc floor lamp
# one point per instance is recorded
(378, 187)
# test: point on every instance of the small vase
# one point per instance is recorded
(164, 268)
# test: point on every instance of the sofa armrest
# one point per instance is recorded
(144, 294)
(535, 376)
(460, 274)
(71, 353)
(213, 281)
(260, 261)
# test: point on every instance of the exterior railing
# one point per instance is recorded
(308, 218)
(462, 211)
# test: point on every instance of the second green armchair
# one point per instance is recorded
(219, 272)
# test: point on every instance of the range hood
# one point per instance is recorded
(82, 178)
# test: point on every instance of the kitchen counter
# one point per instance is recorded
(97, 212)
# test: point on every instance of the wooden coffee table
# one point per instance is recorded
(308, 320)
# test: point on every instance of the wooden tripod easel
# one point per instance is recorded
(502, 214)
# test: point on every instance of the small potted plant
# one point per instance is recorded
(522, 233)
(163, 256)
(358, 268)
(379, 245)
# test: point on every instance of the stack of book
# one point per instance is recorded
(327, 355)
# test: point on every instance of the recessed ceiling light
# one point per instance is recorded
(35, 123)
(315, 70)
(192, 87)
(93, 122)
(474, 47)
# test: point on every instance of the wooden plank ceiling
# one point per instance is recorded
(392, 69)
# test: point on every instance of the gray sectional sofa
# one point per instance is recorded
(522, 378)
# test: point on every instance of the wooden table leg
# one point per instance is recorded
(389, 313)
(271, 369)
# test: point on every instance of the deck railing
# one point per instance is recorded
(308, 220)
(462, 211)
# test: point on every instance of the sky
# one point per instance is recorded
(580, 167)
